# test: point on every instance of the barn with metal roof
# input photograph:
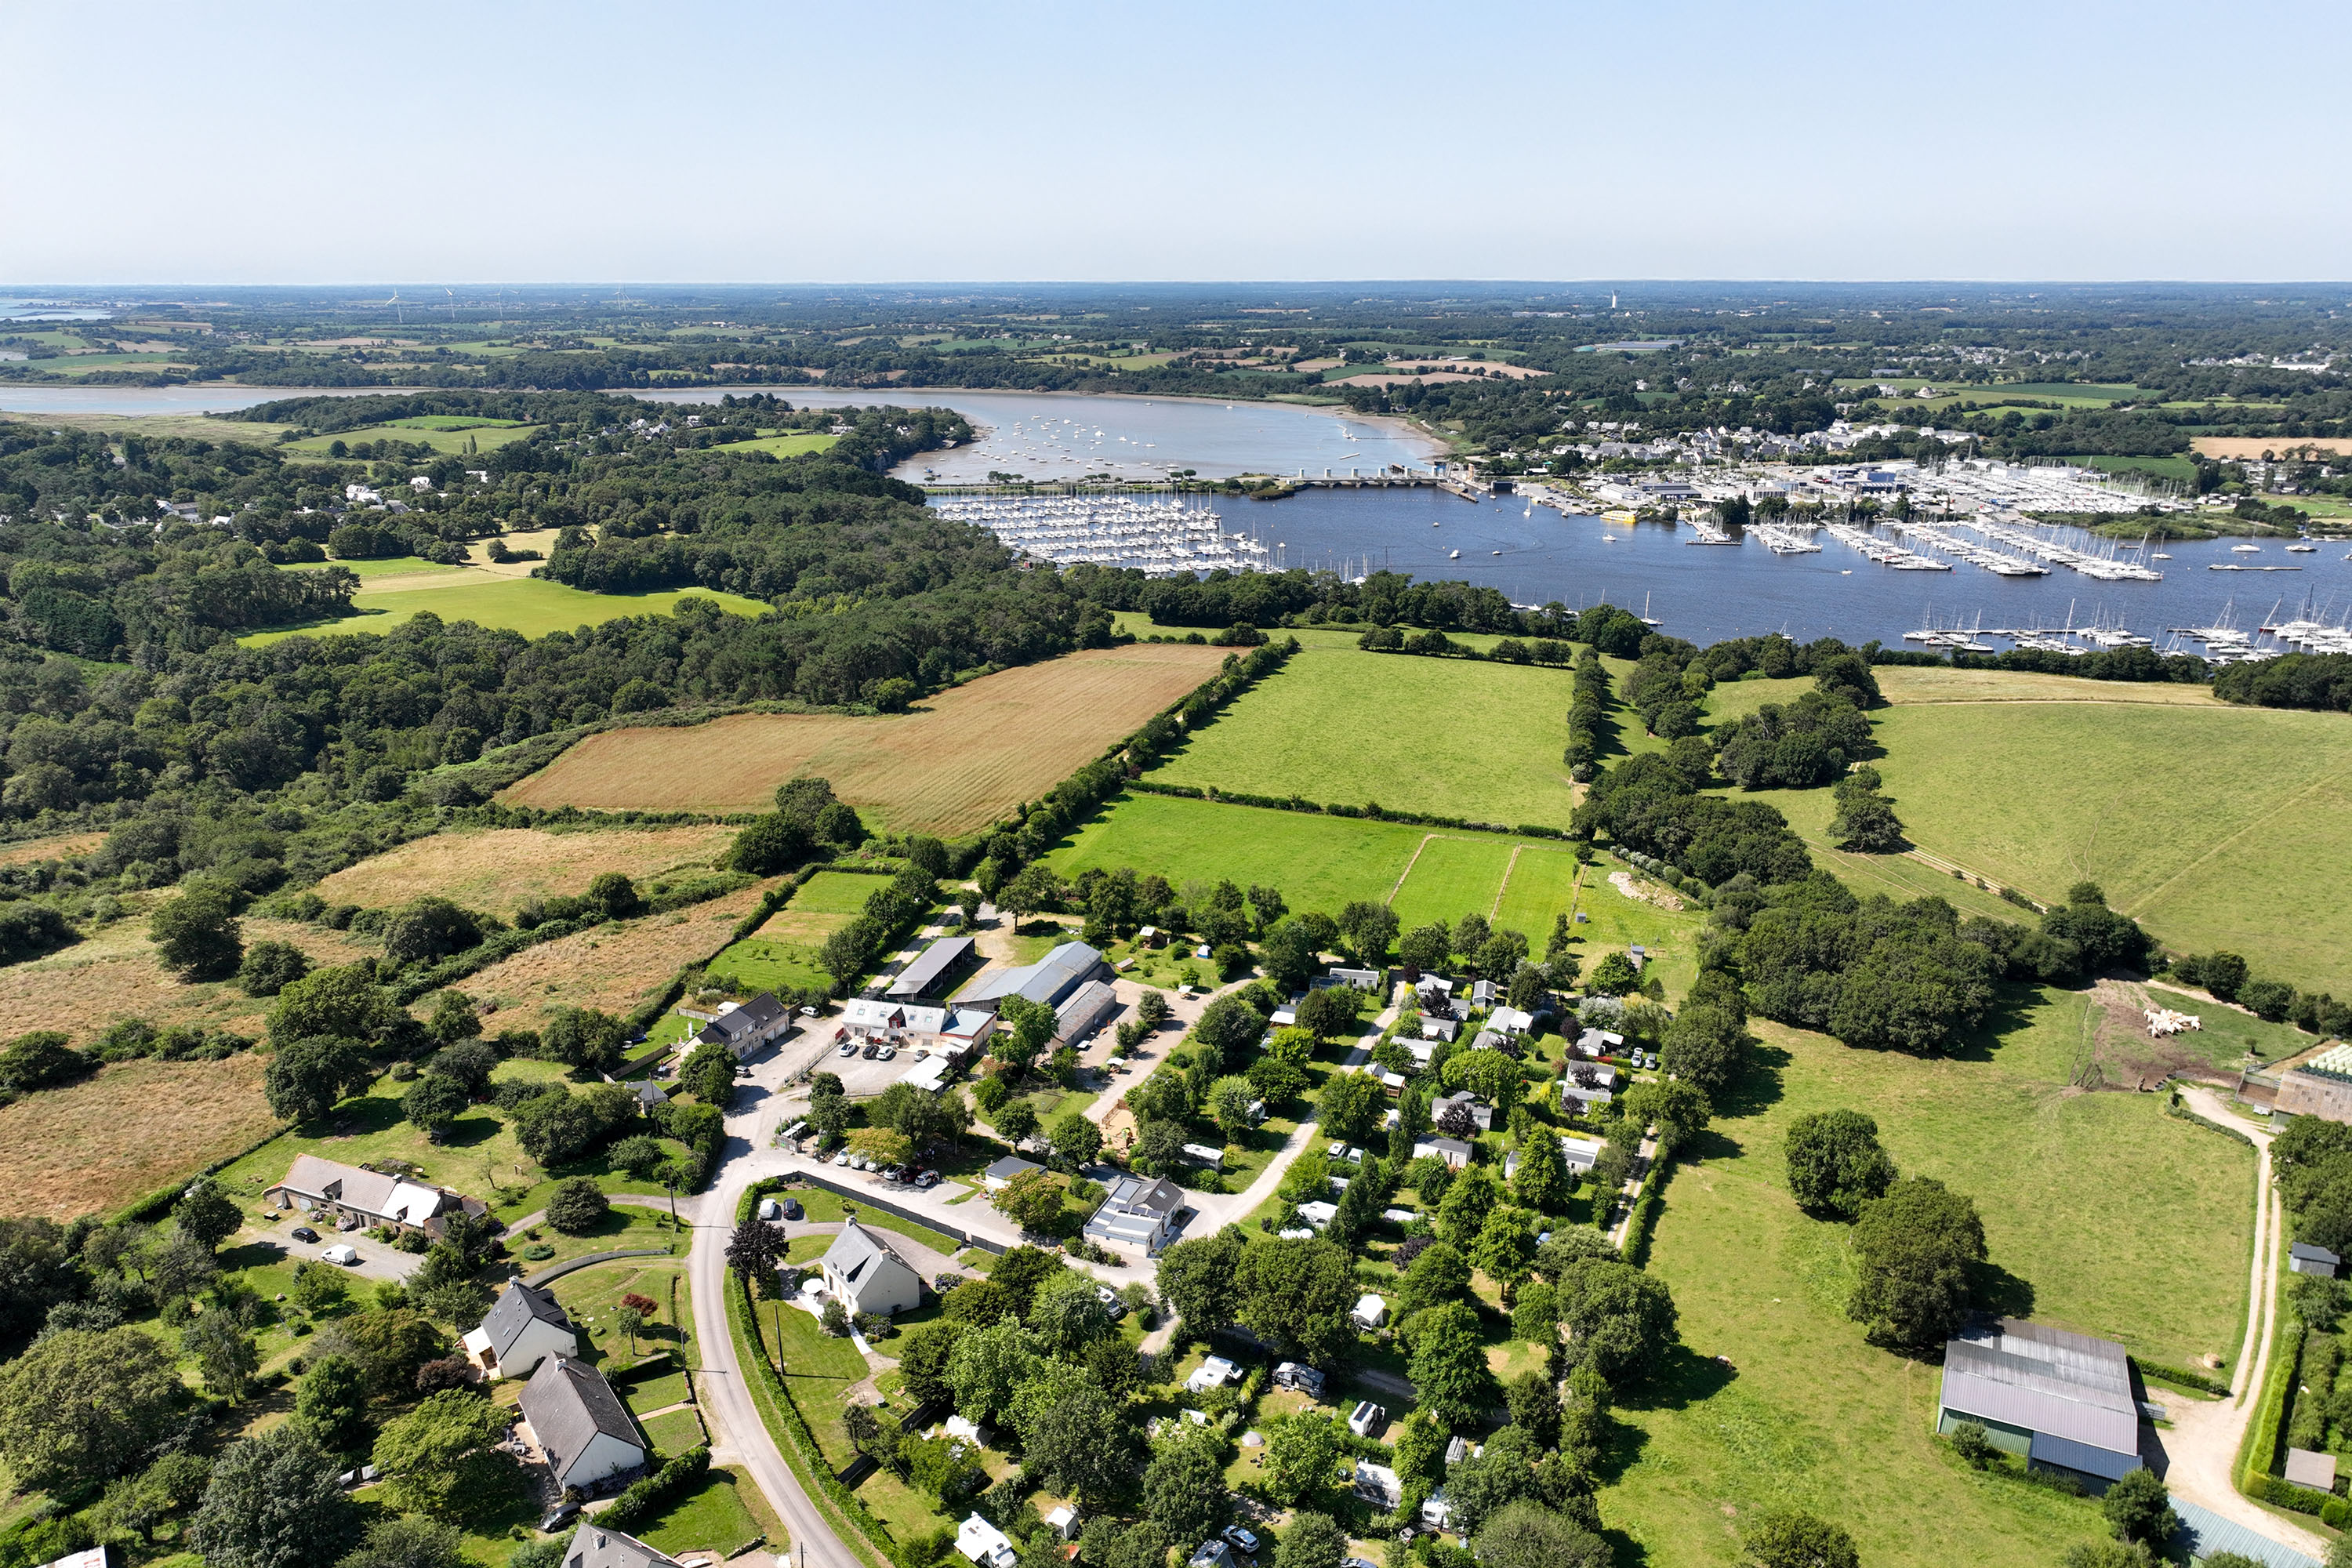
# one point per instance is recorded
(2056, 1398)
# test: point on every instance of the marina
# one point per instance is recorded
(1158, 535)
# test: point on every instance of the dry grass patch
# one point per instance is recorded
(610, 968)
(114, 974)
(130, 1129)
(57, 848)
(499, 868)
(965, 758)
(1922, 683)
(2240, 446)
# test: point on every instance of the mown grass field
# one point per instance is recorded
(497, 868)
(783, 954)
(785, 446)
(1807, 1414)
(1318, 862)
(1446, 737)
(531, 606)
(962, 759)
(443, 433)
(381, 566)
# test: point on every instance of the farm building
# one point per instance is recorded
(1083, 1011)
(2309, 1259)
(758, 1021)
(928, 975)
(365, 1197)
(580, 1423)
(2059, 1398)
(965, 1028)
(929, 1073)
(523, 1328)
(1049, 980)
(1139, 1212)
(876, 1019)
(594, 1546)
(2321, 1086)
(866, 1276)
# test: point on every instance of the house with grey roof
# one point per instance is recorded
(368, 1197)
(745, 1029)
(594, 1546)
(866, 1276)
(580, 1424)
(1083, 1011)
(1048, 981)
(524, 1327)
(2056, 1398)
(1139, 1211)
(1453, 1150)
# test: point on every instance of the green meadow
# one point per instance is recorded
(789, 445)
(442, 432)
(531, 606)
(1446, 737)
(1318, 862)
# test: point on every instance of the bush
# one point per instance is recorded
(577, 1206)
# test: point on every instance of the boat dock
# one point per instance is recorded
(1882, 551)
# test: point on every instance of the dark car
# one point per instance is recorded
(559, 1518)
(868, 1053)
(304, 1233)
(792, 1208)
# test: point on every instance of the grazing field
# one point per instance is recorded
(126, 1131)
(497, 868)
(1452, 876)
(1911, 684)
(964, 758)
(2216, 827)
(383, 566)
(531, 606)
(114, 974)
(783, 954)
(1807, 1414)
(1447, 737)
(443, 433)
(1318, 862)
(612, 968)
(788, 445)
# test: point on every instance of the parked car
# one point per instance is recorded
(559, 1518)
(847, 1050)
(1118, 1309)
(842, 1158)
(303, 1233)
(793, 1208)
(1243, 1540)
(1367, 1419)
(868, 1053)
(888, 1052)
(342, 1253)
(928, 1180)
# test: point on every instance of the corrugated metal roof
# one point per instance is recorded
(924, 973)
(1048, 981)
(2207, 1534)
(2048, 1380)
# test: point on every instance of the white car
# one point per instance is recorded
(848, 1049)
(842, 1158)
(342, 1253)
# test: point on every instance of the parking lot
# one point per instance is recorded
(376, 1259)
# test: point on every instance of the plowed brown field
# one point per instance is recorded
(967, 757)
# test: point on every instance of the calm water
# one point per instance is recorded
(1707, 593)
(1063, 435)
(17, 398)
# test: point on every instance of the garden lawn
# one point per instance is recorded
(819, 1205)
(1807, 1414)
(531, 606)
(709, 1518)
(1318, 862)
(1448, 737)
(673, 1433)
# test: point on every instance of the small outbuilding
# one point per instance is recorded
(2305, 1258)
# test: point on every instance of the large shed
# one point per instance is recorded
(2058, 1398)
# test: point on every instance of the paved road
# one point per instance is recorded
(2201, 1448)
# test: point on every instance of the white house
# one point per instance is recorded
(1139, 1211)
(368, 1197)
(580, 1423)
(1001, 1174)
(864, 1276)
(985, 1544)
(745, 1029)
(1453, 1150)
(523, 1328)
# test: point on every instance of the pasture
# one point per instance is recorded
(453, 434)
(126, 1131)
(380, 567)
(791, 444)
(613, 968)
(960, 760)
(531, 606)
(1318, 862)
(1802, 1412)
(497, 868)
(783, 954)
(1451, 738)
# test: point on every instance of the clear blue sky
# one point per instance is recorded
(713, 142)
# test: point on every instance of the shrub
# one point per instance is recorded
(577, 1206)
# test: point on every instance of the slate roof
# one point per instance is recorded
(737, 1023)
(518, 1307)
(856, 1252)
(594, 1546)
(568, 1403)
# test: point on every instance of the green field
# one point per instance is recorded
(1455, 738)
(1452, 876)
(785, 446)
(1318, 862)
(531, 606)
(384, 566)
(2216, 827)
(443, 433)
(2179, 468)
(709, 1518)
(781, 955)
(1808, 1415)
